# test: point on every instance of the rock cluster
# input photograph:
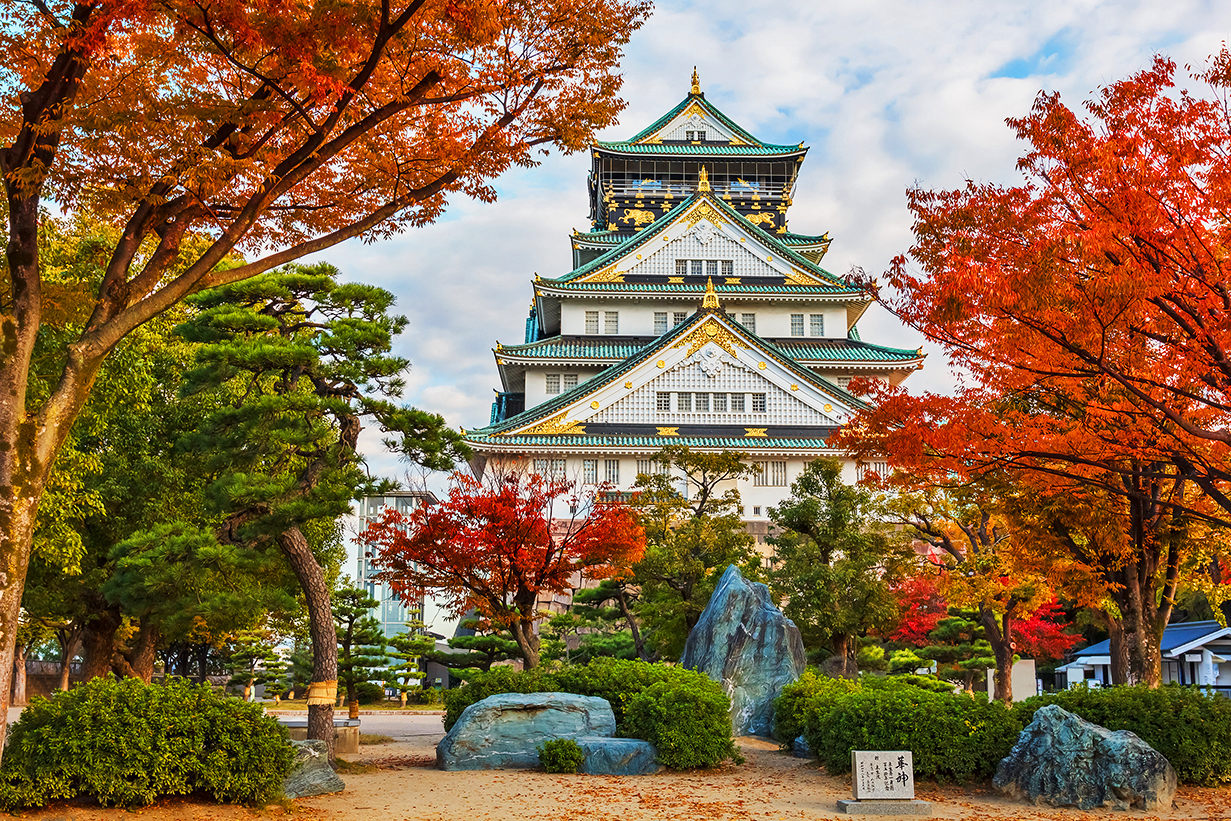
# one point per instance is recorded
(1065, 761)
(745, 643)
(504, 731)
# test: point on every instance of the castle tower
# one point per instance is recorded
(692, 316)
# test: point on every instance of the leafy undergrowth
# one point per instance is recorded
(375, 738)
(344, 767)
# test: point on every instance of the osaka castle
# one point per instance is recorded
(692, 316)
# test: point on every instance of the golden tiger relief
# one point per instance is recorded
(761, 219)
(637, 217)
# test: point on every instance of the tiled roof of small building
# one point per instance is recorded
(590, 347)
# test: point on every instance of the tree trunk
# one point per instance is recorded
(321, 628)
(638, 639)
(1118, 650)
(98, 644)
(999, 635)
(19, 496)
(70, 645)
(139, 661)
(19, 676)
(527, 642)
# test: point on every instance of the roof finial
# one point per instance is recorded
(696, 81)
(703, 184)
(710, 302)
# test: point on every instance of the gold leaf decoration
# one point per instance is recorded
(755, 432)
(555, 426)
(711, 331)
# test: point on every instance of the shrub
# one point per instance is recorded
(953, 736)
(368, 693)
(561, 755)
(127, 743)
(1190, 728)
(621, 682)
(688, 720)
(795, 699)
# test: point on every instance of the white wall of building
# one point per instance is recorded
(636, 317)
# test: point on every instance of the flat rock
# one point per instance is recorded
(886, 806)
(1065, 761)
(618, 756)
(745, 643)
(310, 773)
(505, 730)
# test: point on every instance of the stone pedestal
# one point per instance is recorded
(885, 806)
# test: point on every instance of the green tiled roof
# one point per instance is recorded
(684, 288)
(730, 442)
(611, 374)
(753, 142)
(558, 347)
(789, 238)
(617, 237)
(734, 150)
(641, 237)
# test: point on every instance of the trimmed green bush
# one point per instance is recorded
(621, 681)
(561, 755)
(1190, 728)
(126, 743)
(688, 720)
(954, 737)
(794, 700)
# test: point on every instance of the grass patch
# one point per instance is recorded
(375, 738)
(344, 767)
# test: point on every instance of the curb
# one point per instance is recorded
(304, 713)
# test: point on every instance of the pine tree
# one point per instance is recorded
(361, 643)
(408, 649)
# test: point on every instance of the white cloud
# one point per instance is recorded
(888, 93)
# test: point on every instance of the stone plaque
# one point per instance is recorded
(883, 774)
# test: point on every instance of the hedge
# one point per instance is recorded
(685, 714)
(1190, 728)
(126, 743)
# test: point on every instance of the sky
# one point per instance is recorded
(887, 95)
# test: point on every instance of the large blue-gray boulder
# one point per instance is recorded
(745, 643)
(505, 730)
(1065, 761)
(310, 771)
(618, 756)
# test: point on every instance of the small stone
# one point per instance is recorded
(800, 748)
(1065, 761)
(310, 772)
(745, 643)
(886, 807)
(618, 756)
(506, 730)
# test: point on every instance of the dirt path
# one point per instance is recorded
(407, 787)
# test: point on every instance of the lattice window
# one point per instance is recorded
(749, 321)
(660, 322)
(591, 322)
(797, 324)
(612, 471)
(773, 474)
(737, 403)
(549, 468)
(758, 403)
(728, 267)
(569, 381)
(720, 403)
(552, 383)
(711, 268)
(881, 469)
(679, 317)
(818, 324)
(663, 403)
(681, 267)
(652, 467)
(611, 322)
(589, 471)
(844, 382)
(702, 404)
(683, 402)
(735, 259)
(695, 267)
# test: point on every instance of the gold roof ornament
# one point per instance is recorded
(696, 81)
(703, 183)
(710, 302)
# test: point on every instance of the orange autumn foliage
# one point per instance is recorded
(496, 547)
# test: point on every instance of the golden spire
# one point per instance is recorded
(711, 296)
(703, 184)
(696, 81)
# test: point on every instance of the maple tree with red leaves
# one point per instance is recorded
(495, 547)
(201, 131)
(1089, 308)
(922, 607)
(1042, 636)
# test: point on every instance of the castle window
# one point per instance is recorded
(569, 381)
(773, 474)
(818, 324)
(720, 403)
(695, 267)
(737, 403)
(690, 135)
(797, 324)
(728, 267)
(683, 402)
(711, 267)
(660, 322)
(749, 321)
(679, 317)
(612, 471)
(681, 267)
(549, 468)
(611, 322)
(589, 471)
(844, 382)
(591, 322)
(758, 403)
(553, 383)
(703, 403)
(663, 401)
